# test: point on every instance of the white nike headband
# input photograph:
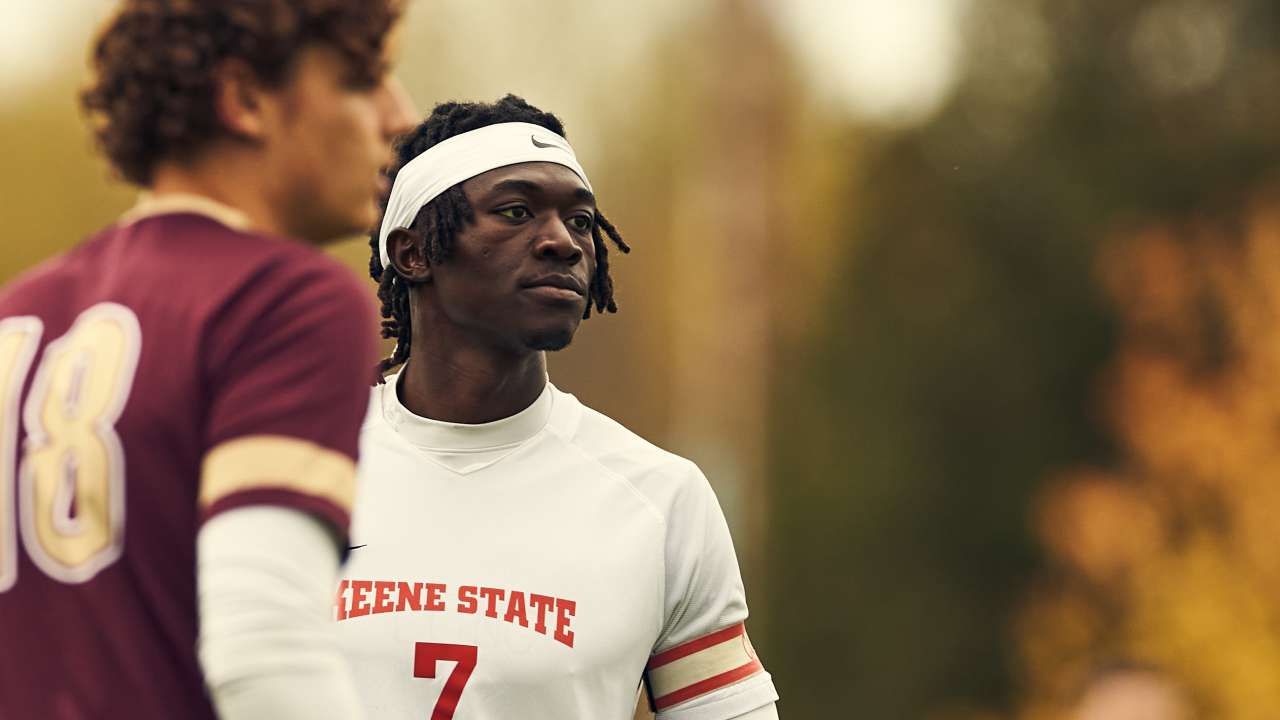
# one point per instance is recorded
(463, 157)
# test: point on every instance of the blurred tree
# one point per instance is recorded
(1171, 558)
(952, 371)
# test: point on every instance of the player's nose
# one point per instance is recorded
(400, 114)
(555, 241)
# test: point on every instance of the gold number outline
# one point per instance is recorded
(28, 328)
(103, 427)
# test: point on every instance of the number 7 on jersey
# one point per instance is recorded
(425, 657)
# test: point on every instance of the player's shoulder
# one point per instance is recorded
(311, 281)
(251, 284)
(608, 440)
(375, 427)
(243, 293)
(658, 473)
(379, 441)
(32, 288)
(49, 289)
(217, 253)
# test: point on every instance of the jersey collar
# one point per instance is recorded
(436, 435)
(150, 205)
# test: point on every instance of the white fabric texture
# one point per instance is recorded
(756, 692)
(557, 502)
(463, 157)
(768, 712)
(265, 577)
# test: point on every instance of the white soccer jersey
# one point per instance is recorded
(536, 568)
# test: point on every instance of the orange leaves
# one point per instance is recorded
(1174, 558)
(1101, 526)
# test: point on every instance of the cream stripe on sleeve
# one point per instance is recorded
(701, 666)
(277, 462)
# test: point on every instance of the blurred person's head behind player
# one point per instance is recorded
(283, 110)
(478, 268)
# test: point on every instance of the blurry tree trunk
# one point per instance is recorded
(720, 270)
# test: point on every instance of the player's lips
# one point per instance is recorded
(556, 287)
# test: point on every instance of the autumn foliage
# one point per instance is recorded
(1171, 556)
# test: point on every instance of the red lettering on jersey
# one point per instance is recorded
(434, 602)
(382, 596)
(515, 609)
(340, 602)
(357, 598)
(493, 595)
(360, 597)
(542, 604)
(467, 599)
(409, 596)
(564, 610)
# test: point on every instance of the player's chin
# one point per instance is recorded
(552, 337)
(363, 216)
(338, 226)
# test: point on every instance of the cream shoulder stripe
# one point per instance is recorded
(701, 666)
(277, 462)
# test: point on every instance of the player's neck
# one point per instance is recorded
(221, 182)
(465, 385)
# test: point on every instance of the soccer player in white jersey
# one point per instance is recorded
(516, 554)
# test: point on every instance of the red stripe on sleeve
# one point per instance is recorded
(335, 515)
(708, 685)
(695, 645)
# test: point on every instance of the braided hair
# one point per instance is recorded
(439, 221)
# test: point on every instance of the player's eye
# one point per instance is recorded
(515, 212)
(581, 223)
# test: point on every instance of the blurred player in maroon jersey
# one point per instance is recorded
(180, 395)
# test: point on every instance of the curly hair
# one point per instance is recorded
(152, 97)
(439, 221)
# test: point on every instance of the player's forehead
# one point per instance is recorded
(344, 65)
(390, 56)
(544, 179)
(392, 45)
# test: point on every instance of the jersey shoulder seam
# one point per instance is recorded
(662, 459)
(617, 476)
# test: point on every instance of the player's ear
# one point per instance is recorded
(238, 97)
(408, 253)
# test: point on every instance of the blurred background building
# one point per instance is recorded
(970, 310)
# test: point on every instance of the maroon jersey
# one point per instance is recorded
(170, 367)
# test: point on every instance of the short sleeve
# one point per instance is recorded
(703, 666)
(288, 360)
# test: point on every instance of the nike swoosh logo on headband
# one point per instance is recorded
(537, 144)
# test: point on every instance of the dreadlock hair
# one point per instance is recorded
(440, 220)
